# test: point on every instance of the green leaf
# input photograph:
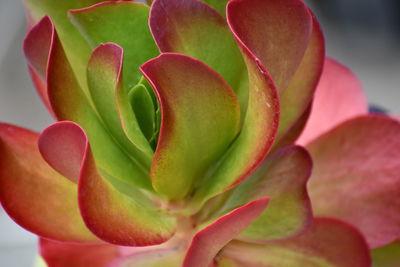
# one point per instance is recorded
(112, 210)
(196, 30)
(200, 118)
(76, 48)
(219, 5)
(327, 243)
(283, 178)
(143, 107)
(36, 196)
(123, 23)
(70, 103)
(106, 89)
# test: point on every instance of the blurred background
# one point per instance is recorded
(362, 34)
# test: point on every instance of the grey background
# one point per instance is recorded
(361, 34)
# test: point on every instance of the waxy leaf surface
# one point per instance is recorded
(69, 102)
(33, 194)
(356, 176)
(257, 134)
(339, 97)
(328, 243)
(57, 254)
(104, 76)
(277, 32)
(297, 97)
(116, 212)
(210, 240)
(76, 48)
(192, 28)
(142, 105)
(282, 177)
(124, 23)
(200, 118)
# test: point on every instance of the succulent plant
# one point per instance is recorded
(198, 133)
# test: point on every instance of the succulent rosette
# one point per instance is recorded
(180, 134)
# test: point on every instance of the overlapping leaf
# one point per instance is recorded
(327, 243)
(69, 102)
(200, 118)
(356, 176)
(283, 178)
(338, 97)
(123, 23)
(107, 204)
(192, 28)
(76, 255)
(33, 194)
(211, 239)
(77, 49)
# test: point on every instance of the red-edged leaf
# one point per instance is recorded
(277, 32)
(104, 76)
(193, 28)
(257, 134)
(328, 242)
(69, 102)
(58, 254)
(123, 23)
(210, 240)
(200, 118)
(114, 211)
(33, 194)
(63, 157)
(36, 48)
(296, 99)
(76, 48)
(356, 176)
(339, 97)
(283, 178)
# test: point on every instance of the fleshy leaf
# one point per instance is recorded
(339, 97)
(69, 102)
(297, 97)
(76, 48)
(36, 48)
(63, 157)
(124, 23)
(165, 257)
(277, 32)
(200, 118)
(328, 243)
(33, 194)
(57, 254)
(283, 179)
(104, 76)
(143, 107)
(293, 132)
(387, 256)
(107, 205)
(257, 134)
(356, 176)
(219, 5)
(210, 240)
(192, 28)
